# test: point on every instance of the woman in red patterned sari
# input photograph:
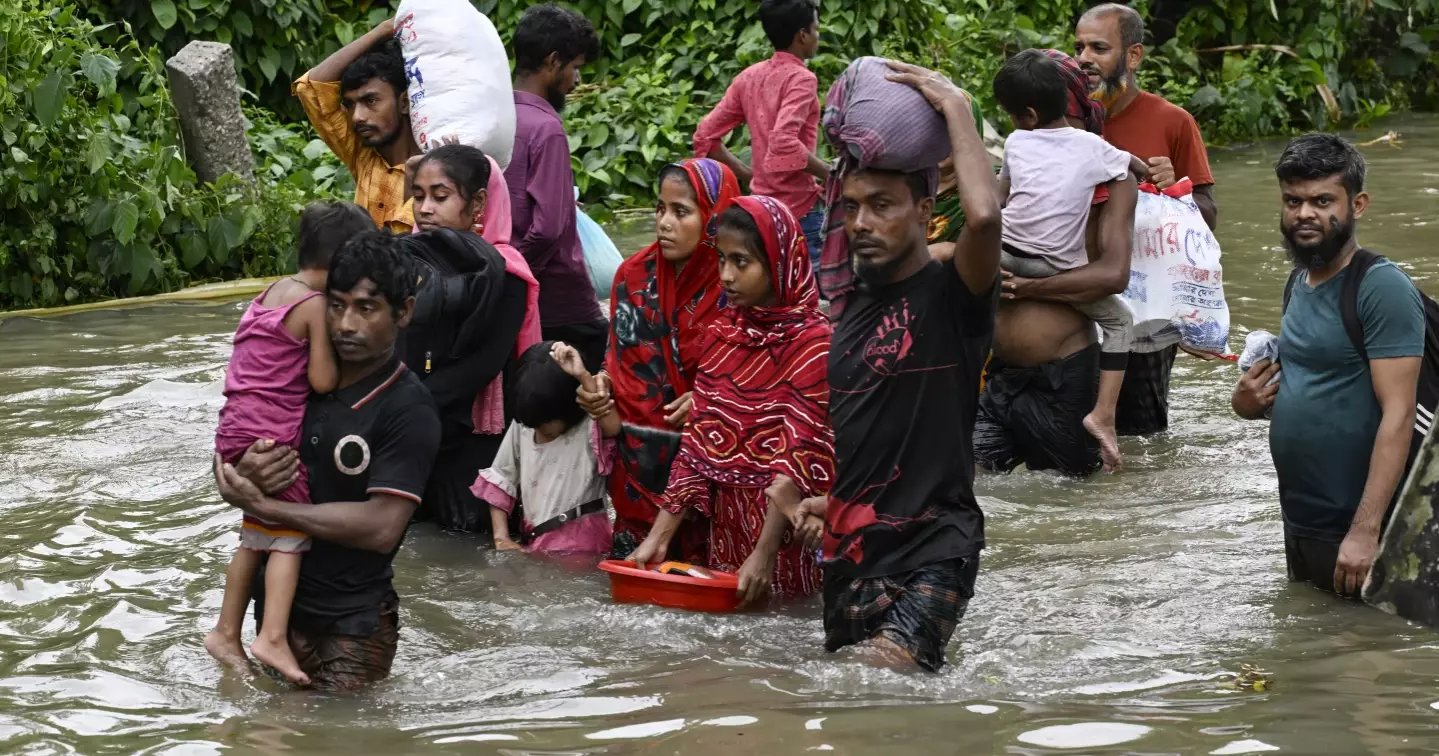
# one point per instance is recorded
(664, 298)
(761, 407)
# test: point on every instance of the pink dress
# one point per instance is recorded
(266, 388)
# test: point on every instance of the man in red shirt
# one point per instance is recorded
(1109, 44)
(779, 100)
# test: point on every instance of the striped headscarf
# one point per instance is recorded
(1080, 104)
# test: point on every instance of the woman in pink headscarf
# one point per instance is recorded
(458, 187)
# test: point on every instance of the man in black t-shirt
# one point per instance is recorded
(903, 530)
(368, 448)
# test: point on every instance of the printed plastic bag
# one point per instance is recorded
(602, 257)
(459, 76)
(1176, 284)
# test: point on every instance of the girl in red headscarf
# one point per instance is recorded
(761, 407)
(663, 300)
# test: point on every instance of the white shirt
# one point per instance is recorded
(1052, 175)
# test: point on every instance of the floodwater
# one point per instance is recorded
(1109, 611)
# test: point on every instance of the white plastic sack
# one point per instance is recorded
(459, 76)
(1176, 284)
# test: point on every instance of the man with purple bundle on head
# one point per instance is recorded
(903, 530)
(549, 47)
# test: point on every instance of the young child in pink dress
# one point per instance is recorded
(282, 352)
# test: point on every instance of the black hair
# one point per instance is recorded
(540, 390)
(1032, 79)
(467, 166)
(782, 19)
(736, 218)
(1131, 24)
(677, 172)
(378, 256)
(919, 182)
(1318, 156)
(325, 227)
(547, 28)
(383, 61)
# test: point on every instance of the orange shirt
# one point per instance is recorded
(379, 186)
(1154, 127)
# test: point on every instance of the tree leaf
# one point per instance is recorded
(165, 13)
(142, 264)
(127, 215)
(1204, 97)
(598, 135)
(97, 153)
(630, 6)
(215, 239)
(100, 70)
(192, 250)
(628, 40)
(48, 97)
(99, 216)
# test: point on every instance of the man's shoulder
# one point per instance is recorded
(408, 400)
(1165, 111)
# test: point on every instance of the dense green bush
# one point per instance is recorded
(96, 199)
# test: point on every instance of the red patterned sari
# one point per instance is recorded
(761, 408)
(657, 318)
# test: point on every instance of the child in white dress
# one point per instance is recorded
(553, 459)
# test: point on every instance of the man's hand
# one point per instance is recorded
(1014, 287)
(1356, 556)
(679, 411)
(597, 403)
(755, 577)
(942, 94)
(236, 489)
(786, 496)
(270, 466)
(1253, 395)
(1161, 172)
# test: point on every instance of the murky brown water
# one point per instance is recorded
(1108, 610)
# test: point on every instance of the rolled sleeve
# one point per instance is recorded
(798, 99)
(727, 116)
(1392, 313)
(321, 102)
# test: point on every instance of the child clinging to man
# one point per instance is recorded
(553, 459)
(1054, 171)
(281, 354)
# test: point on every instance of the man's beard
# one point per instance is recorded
(1323, 252)
(382, 140)
(876, 274)
(555, 97)
(1112, 87)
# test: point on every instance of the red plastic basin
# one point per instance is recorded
(631, 585)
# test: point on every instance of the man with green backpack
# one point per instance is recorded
(1351, 349)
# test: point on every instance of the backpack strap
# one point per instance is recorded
(1349, 299)
(1289, 290)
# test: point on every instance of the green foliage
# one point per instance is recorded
(96, 199)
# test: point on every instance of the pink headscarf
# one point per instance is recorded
(489, 411)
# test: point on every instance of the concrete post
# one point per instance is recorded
(205, 92)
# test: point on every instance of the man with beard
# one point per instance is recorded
(549, 47)
(357, 103)
(903, 529)
(1341, 427)
(1109, 44)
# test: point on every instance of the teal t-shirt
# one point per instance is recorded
(1325, 415)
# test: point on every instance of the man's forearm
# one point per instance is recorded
(367, 525)
(1386, 465)
(330, 68)
(1208, 208)
(817, 167)
(722, 155)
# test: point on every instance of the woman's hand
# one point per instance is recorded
(597, 403)
(756, 576)
(679, 411)
(651, 551)
(505, 544)
(810, 532)
(786, 496)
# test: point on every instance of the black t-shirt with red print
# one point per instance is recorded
(904, 373)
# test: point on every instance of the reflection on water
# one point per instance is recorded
(1109, 611)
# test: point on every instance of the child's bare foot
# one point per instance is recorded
(227, 650)
(1108, 439)
(279, 657)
